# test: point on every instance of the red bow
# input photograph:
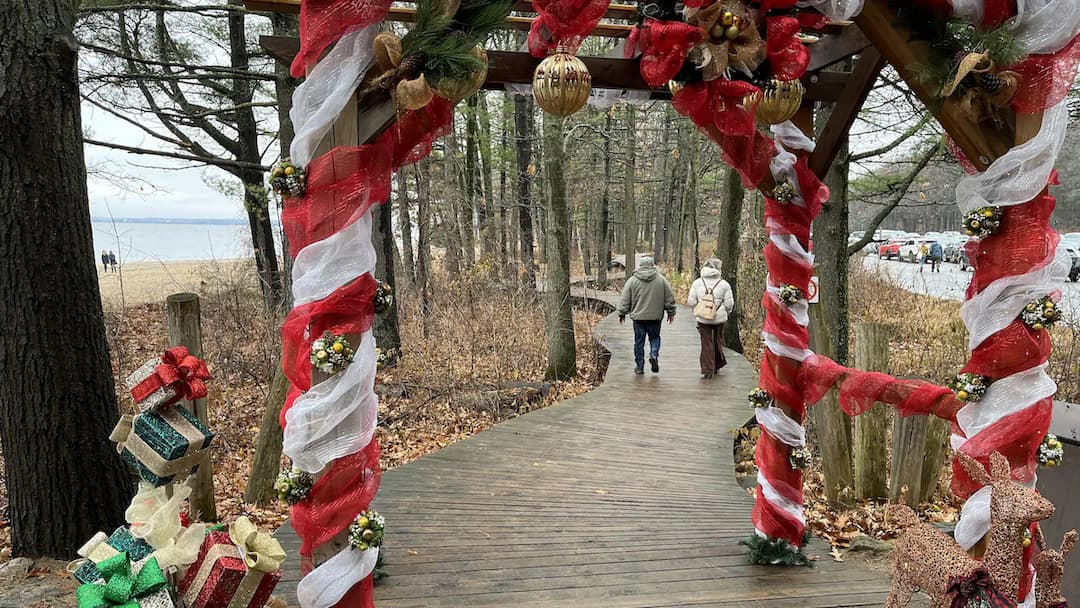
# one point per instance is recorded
(180, 370)
(664, 46)
(976, 590)
(788, 56)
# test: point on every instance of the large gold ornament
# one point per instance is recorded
(777, 101)
(561, 84)
(456, 89)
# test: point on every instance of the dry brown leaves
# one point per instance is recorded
(479, 359)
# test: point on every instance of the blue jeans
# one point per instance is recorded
(642, 329)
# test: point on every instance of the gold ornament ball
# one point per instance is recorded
(717, 31)
(368, 535)
(338, 347)
(674, 86)
(1037, 326)
(322, 354)
(362, 522)
(1027, 543)
(561, 84)
(962, 395)
(727, 18)
(290, 170)
(987, 213)
(278, 172)
(456, 89)
(731, 32)
(1051, 463)
(975, 223)
(1030, 306)
(777, 101)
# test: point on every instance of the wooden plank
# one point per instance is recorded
(870, 429)
(847, 109)
(980, 142)
(608, 73)
(626, 12)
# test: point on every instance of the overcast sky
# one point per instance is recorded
(160, 187)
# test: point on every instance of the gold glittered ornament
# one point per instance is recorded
(561, 84)
(777, 101)
(456, 89)
(674, 86)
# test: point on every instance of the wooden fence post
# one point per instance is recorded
(872, 427)
(832, 425)
(934, 454)
(182, 314)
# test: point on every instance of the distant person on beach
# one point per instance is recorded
(646, 297)
(105, 260)
(112, 261)
(712, 300)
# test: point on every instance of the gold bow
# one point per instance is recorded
(260, 551)
(978, 102)
(393, 72)
(717, 53)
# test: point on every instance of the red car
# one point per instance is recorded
(890, 249)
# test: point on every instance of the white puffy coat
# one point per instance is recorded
(725, 302)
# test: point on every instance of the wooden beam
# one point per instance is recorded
(847, 108)
(626, 12)
(833, 49)
(607, 73)
(981, 142)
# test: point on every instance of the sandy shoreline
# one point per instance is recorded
(147, 282)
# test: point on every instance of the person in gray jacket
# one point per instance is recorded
(646, 297)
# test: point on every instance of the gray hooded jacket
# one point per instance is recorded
(647, 295)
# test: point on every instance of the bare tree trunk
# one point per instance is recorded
(386, 327)
(489, 232)
(522, 137)
(604, 228)
(562, 349)
(473, 207)
(728, 249)
(831, 252)
(423, 240)
(57, 399)
(407, 274)
(660, 211)
(691, 203)
(630, 226)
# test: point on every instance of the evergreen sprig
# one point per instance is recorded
(775, 552)
(446, 43)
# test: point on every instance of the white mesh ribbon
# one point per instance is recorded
(974, 519)
(998, 305)
(1020, 175)
(1045, 26)
(779, 425)
(336, 417)
(791, 507)
(155, 518)
(329, 86)
(324, 266)
(1006, 397)
(324, 586)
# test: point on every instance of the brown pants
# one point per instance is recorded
(712, 348)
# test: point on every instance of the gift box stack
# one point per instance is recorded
(135, 566)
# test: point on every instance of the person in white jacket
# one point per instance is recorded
(711, 288)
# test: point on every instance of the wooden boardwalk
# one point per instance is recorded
(623, 497)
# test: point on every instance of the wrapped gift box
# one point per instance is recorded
(222, 578)
(123, 582)
(176, 375)
(100, 548)
(162, 444)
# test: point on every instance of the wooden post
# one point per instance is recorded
(934, 454)
(832, 425)
(182, 314)
(871, 428)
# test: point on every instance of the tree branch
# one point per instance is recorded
(222, 163)
(894, 143)
(901, 192)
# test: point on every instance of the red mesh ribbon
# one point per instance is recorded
(1024, 243)
(996, 12)
(813, 20)
(564, 23)
(717, 109)
(345, 490)
(348, 310)
(859, 390)
(1046, 79)
(185, 373)
(1011, 350)
(323, 22)
(788, 56)
(346, 181)
(663, 46)
(771, 457)
(768, 5)
(1016, 436)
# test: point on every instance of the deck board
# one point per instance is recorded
(624, 497)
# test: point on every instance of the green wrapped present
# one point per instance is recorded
(162, 444)
(126, 585)
(100, 548)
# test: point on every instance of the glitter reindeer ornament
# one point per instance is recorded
(1049, 569)
(932, 561)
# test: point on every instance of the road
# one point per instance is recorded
(951, 282)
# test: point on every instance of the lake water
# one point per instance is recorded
(145, 241)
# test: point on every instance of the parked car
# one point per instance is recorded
(890, 249)
(909, 251)
(962, 260)
(1074, 271)
(953, 247)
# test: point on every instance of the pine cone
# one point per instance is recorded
(991, 83)
(410, 66)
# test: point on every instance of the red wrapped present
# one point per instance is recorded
(176, 375)
(238, 569)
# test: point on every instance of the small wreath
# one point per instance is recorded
(784, 193)
(331, 353)
(799, 459)
(790, 294)
(759, 397)
(287, 180)
(1051, 452)
(970, 387)
(293, 485)
(982, 222)
(366, 531)
(1041, 314)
